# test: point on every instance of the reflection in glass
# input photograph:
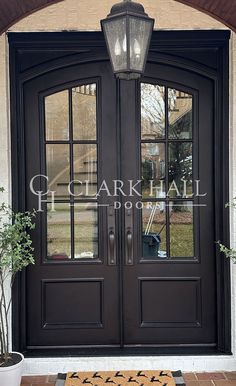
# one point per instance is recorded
(181, 229)
(84, 112)
(117, 40)
(180, 114)
(138, 42)
(57, 116)
(153, 170)
(85, 170)
(154, 230)
(58, 169)
(86, 231)
(58, 232)
(152, 111)
(180, 169)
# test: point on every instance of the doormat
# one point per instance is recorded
(121, 378)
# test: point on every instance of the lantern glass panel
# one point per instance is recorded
(115, 31)
(140, 31)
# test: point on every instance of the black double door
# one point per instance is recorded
(124, 240)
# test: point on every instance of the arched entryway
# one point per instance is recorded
(12, 11)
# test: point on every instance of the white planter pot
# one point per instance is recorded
(11, 376)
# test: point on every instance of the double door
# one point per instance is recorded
(121, 173)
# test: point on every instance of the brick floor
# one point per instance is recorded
(210, 379)
(39, 380)
(191, 379)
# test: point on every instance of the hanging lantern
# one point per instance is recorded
(128, 30)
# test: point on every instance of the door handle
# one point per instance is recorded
(129, 253)
(111, 227)
(129, 248)
(111, 252)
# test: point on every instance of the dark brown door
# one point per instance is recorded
(125, 267)
(169, 274)
(70, 136)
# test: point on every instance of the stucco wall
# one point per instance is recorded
(85, 15)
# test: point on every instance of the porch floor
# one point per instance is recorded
(191, 379)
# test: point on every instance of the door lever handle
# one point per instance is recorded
(111, 235)
(129, 248)
(111, 252)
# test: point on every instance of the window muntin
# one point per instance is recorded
(167, 173)
(71, 164)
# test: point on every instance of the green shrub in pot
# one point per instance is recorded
(16, 253)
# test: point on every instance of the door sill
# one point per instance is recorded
(125, 351)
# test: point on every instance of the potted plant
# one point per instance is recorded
(16, 253)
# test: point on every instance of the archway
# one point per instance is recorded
(12, 11)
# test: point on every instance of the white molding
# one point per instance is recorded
(41, 366)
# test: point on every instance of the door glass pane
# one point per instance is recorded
(86, 231)
(85, 170)
(58, 169)
(59, 232)
(152, 111)
(154, 230)
(180, 169)
(153, 170)
(84, 112)
(180, 114)
(181, 229)
(57, 116)
(167, 233)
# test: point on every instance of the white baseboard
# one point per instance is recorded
(41, 366)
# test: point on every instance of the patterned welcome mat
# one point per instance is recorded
(120, 378)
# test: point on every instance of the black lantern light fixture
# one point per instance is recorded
(128, 30)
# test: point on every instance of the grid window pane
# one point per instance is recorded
(86, 231)
(85, 170)
(59, 232)
(154, 230)
(58, 169)
(180, 169)
(167, 233)
(181, 229)
(152, 111)
(153, 170)
(180, 114)
(57, 116)
(84, 112)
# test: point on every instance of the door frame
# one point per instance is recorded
(185, 49)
